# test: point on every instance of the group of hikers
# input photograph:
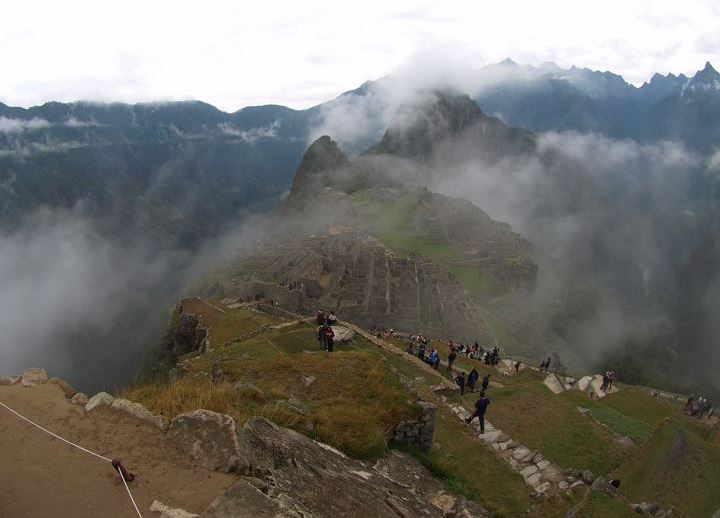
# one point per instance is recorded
(463, 381)
(324, 332)
(699, 407)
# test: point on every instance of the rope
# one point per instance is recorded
(129, 493)
(78, 447)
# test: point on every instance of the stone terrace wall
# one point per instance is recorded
(417, 432)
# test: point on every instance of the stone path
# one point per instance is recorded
(544, 477)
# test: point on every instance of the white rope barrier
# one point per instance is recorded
(79, 448)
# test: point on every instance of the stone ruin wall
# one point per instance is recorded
(417, 432)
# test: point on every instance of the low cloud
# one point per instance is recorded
(251, 135)
(8, 125)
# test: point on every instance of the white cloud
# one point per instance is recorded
(251, 135)
(233, 54)
(19, 125)
(72, 122)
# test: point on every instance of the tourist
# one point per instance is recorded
(410, 348)
(517, 367)
(320, 317)
(320, 334)
(329, 338)
(421, 351)
(612, 379)
(547, 364)
(472, 379)
(606, 381)
(542, 366)
(433, 358)
(460, 380)
(485, 382)
(480, 408)
(332, 319)
(451, 359)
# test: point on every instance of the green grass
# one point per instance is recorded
(539, 419)
(473, 280)
(472, 469)
(674, 467)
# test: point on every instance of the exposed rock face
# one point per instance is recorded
(406, 471)
(99, 399)
(32, 377)
(186, 335)
(243, 500)
(286, 474)
(139, 411)
(209, 438)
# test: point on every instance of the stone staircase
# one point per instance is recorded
(544, 477)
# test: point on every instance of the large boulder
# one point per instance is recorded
(79, 399)
(99, 399)
(209, 438)
(32, 377)
(584, 382)
(142, 413)
(553, 383)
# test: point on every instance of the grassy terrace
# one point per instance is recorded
(392, 224)
(357, 396)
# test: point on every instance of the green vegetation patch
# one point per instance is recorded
(674, 467)
(539, 419)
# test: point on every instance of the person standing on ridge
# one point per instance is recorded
(329, 338)
(460, 380)
(480, 408)
(485, 383)
(451, 358)
(472, 379)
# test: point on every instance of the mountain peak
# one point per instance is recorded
(416, 127)
(323, 156)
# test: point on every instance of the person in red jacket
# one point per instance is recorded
(329, 338)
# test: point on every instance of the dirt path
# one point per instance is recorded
(41, 476)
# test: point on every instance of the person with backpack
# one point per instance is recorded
(480, 409)
(451, 358)
(485, 382)
(421, 351)
(472, 379)
(460, 380)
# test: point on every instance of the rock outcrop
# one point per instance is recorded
(139, 411)
(209, 438)
(8, 380)
(286, 474)
(99, 399)
(32, 377)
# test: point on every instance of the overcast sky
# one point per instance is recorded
(235, 53)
